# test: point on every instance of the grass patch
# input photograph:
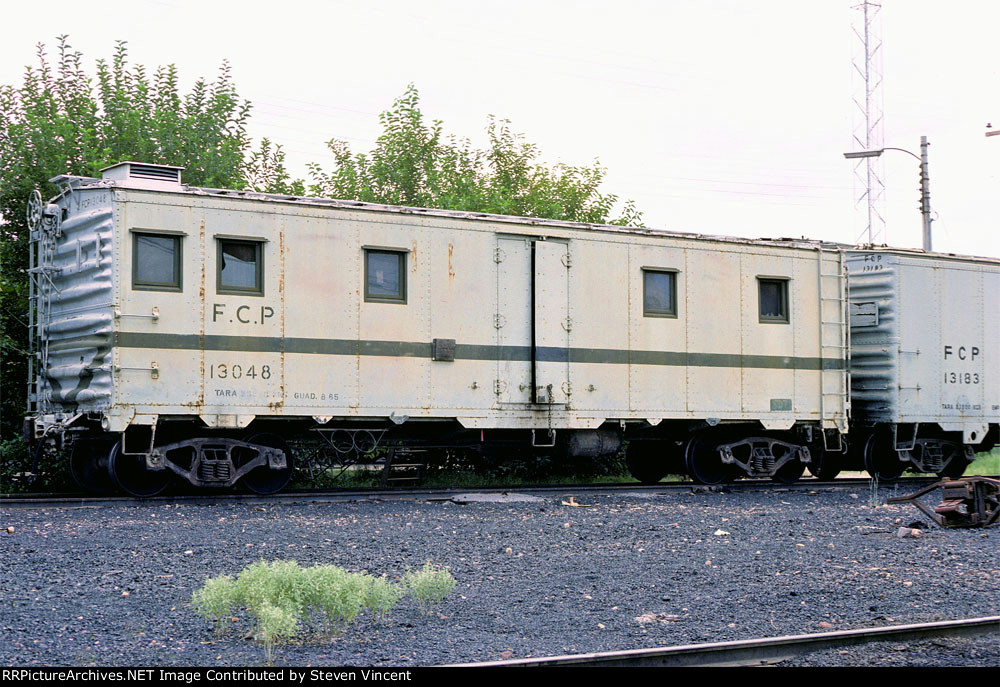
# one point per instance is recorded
(985, 464)
(366, 478)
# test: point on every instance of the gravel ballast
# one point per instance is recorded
(112, 586)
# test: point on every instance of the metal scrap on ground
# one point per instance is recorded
(967, 502)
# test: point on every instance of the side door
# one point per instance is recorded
(551, 321)
(513, 320)
(532, 320)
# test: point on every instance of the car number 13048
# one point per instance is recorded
(236, 371)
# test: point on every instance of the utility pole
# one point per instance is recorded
(925, 185)
(925, 193)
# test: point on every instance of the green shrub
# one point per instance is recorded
(21, 470)
(336, 594)
(284, 597)
(279, 583)
(429, 585)
(275, 623)
(216, 600)
(381, 595)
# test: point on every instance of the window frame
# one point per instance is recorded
(258, 289)
(785, 306)
(672, 312)
(175, 286)
(401, 256)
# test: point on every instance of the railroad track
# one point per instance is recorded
(902, 485)
(756, 652)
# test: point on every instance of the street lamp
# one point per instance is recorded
(925, 190)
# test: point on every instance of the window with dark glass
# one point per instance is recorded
(385, 276)
(773, 300)
(241, 267)
(659, 293)
(156, 262)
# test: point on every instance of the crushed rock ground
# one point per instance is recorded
(111, 586)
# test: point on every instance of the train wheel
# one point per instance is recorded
(881, 459)
(645, 462)
(824, 465)
(88, 463)
(704, 464)
(790, 472)
(130, 474)
(264, 480)
(955, 467)
(827, 474)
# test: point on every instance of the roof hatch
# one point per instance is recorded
(144, 175)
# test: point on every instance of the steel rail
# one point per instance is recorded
(755, 652)
(427, 493)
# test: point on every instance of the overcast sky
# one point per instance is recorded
(715, 116)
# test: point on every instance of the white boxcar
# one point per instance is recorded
(925, 359)
(159, 303)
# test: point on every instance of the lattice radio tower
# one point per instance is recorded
(868, 125)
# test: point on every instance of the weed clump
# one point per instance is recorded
(280, 584)
(381, 595)
(429, 585)
(274, 624)
(338, 596)
(284, 598)
(216, 600)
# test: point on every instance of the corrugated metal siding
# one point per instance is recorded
(75, 307)
(874, 347)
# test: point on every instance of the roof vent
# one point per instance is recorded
(144, 175)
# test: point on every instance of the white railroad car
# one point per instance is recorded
(925, 360)
(187, 331)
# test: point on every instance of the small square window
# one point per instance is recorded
(659, 293)
(241, 267)
(156, 262)
(385, 276)
(773, 300)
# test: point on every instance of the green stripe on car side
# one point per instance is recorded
(407, 349)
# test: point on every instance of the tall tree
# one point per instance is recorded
(413, 163)
(60, 121)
